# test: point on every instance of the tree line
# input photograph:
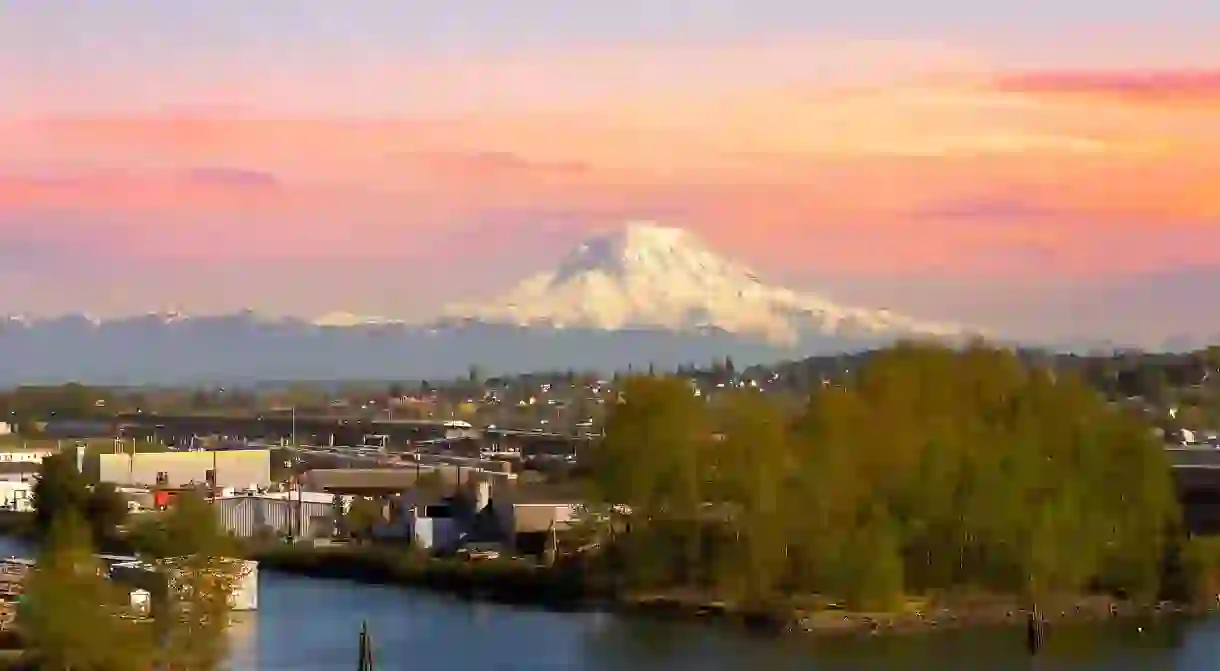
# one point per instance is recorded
(927, 469)
(72, 617)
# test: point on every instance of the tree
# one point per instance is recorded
(923, 469)
(197, 559)
(650, 460)
(362, 516)
(60, 491)
(106, 510)
(70, 614)
(746, 477)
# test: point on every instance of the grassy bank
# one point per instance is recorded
(520, 582)
(504, 581)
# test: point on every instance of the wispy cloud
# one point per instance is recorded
(1148, 86)
(924, 167)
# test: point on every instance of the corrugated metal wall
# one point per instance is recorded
(245, 516)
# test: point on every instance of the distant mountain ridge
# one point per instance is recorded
(246, 348)
(644, 294)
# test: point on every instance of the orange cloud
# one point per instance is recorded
(986, 173)
(1148, 87)
(201, 190)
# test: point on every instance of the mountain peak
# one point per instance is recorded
(637, 250)
(643, 237)
(645, 275)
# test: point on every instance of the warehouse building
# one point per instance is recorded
(301, 515)
(239, 469)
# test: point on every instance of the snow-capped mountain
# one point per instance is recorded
(644, 295)
(651, 276)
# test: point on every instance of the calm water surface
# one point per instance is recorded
(313, 624)
(307, 624)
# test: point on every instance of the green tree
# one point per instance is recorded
(60, 491)
(922, 470)
(652, 460)
(106, 510)
(745, 477)
(71, 616)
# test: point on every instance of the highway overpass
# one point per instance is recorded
(285, 428)
(279, 427)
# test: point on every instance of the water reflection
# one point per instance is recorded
(312, 625)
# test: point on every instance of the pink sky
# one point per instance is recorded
(806, 159)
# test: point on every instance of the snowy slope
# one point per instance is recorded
(652, 276)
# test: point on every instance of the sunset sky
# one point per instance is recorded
(1027, 166)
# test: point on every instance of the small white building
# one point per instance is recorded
(26, 455)
(17, 496)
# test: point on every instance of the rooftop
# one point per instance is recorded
(362, 479)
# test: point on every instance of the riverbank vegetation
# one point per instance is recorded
(505, 581)
(928, 471)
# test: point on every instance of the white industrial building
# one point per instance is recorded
(298, 514)
(26, 455)
(239, 469)
(18, 496)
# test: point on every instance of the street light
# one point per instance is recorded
(293, 411)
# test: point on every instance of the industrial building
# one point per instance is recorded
(220, 468)
(26, 455)
(297, 514)
(485, 513)
(391, 481)
(17, 496)
(18, 471)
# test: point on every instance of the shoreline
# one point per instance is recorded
(524, 584)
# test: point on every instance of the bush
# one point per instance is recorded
(511, 581)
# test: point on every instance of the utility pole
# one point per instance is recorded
(366, 649)
(215, 476)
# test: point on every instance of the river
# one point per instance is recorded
(307, 624)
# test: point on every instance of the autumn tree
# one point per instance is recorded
(363, 515)
(71, 616)
(197, 559)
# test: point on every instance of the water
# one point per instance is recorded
(307, 624)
